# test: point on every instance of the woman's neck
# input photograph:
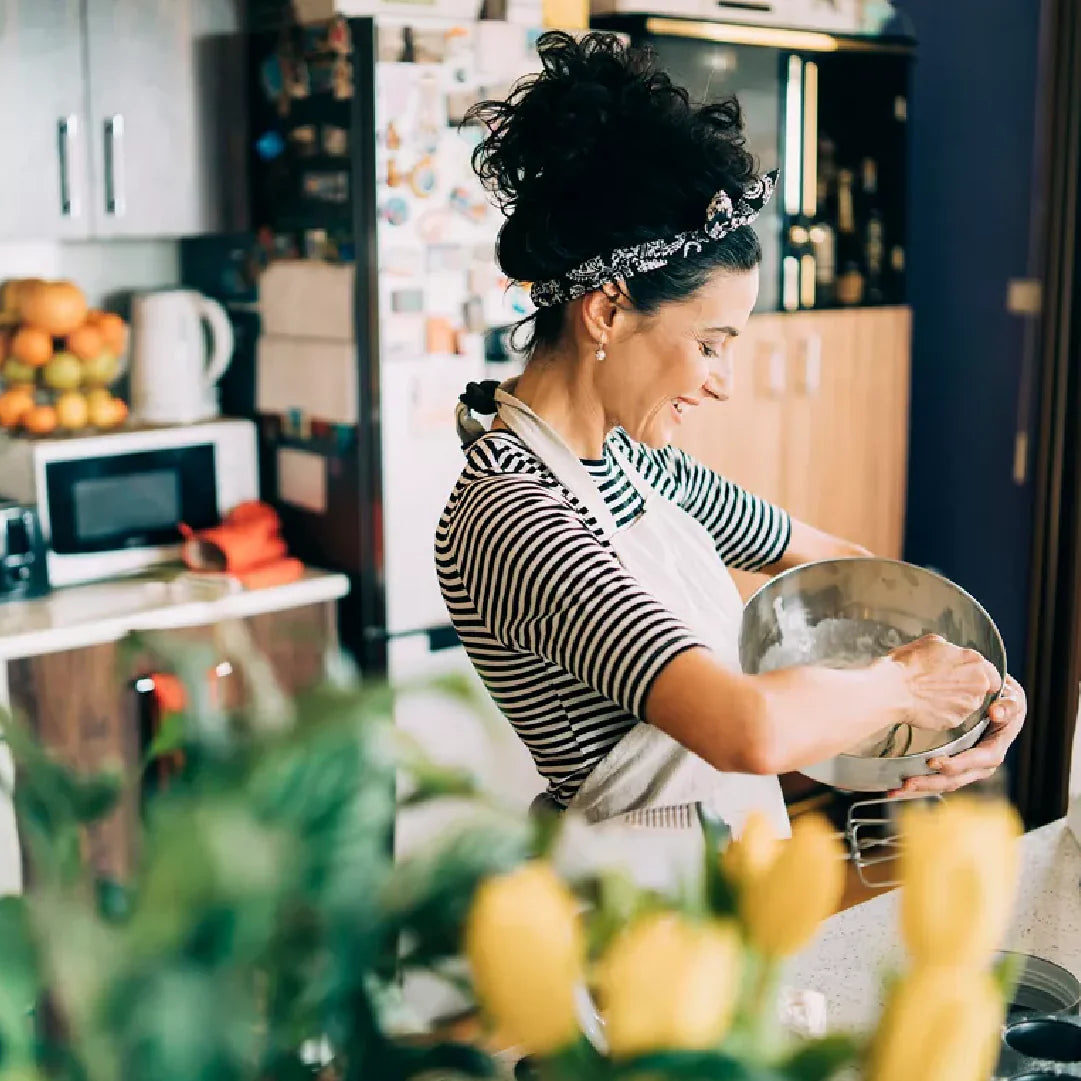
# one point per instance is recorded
(560, 390)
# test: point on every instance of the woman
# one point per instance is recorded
(583, 558)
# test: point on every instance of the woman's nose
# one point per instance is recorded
(723, 375)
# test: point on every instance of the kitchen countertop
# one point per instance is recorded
(79, 616)
(855, 949)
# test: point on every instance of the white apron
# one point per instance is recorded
(641, 800)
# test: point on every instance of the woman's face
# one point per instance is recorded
(660, 366)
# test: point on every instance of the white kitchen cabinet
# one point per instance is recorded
(118, 112)
(44, 171)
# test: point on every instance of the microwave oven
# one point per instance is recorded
(112, 504)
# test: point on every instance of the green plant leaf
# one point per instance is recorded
(691, 1066)
(169, 739)
(721, 896)
(821, 1059)
(20, 982)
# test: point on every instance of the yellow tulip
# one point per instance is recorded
(754, 851)
(783, 902)
(941, 1024)
(526, 949)
(959, 866)
(669, 983)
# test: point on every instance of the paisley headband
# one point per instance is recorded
(723, 216)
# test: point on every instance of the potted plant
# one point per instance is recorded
(266, 925)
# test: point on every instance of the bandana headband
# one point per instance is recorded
(723, 216)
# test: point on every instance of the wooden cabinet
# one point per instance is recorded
(116, 113)
(818, 421)
(82, 704)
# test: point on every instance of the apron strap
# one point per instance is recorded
(548, 445)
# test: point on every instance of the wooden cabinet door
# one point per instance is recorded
(846, 424)
(743, 439)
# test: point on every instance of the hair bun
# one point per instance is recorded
(600, 150)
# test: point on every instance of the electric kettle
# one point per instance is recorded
(182, 343)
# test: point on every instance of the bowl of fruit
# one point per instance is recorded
(59, 360)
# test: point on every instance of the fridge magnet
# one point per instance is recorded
(435, 225)
(429, 46)
(394, 139)
(303, 140)
(403, 262)
(343, 78)
(395, 211)
(407, 301)
(335, 141)
(469, 204)
(441, 336)
(270, 145)
(447, 257)
(474, 315)
(423, 179)
(394, 175)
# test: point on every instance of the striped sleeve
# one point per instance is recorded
(749, 532)
(545, 584)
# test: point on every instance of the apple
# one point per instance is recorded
(72, 411)
(101, 370)
(63, 372)
(15, 371)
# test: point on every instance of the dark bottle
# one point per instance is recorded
(851, 278)
(874, 234)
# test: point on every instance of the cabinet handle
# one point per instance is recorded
(114, 165)
(67, 131)
(811, 349)
(776, 371)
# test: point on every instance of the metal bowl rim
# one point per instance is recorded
(900, 563)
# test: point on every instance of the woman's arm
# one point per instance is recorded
(783, 720)
(809, 545)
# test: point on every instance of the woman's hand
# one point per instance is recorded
(945, 684)
(1007, 719)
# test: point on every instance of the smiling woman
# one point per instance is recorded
(583, 559)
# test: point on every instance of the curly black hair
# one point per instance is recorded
(601, 150)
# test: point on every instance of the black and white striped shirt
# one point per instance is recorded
(566, 641)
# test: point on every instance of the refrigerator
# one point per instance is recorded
(366, 296)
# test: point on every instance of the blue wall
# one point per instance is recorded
(972, 120)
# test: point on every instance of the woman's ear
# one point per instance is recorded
(603, 311)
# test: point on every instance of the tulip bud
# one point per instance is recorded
(783, 903)
(941, 1024)
(526, 949)
(959, 867)
(667, 983)
(755, 849)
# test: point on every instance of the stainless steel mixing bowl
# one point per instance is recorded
(845, 612)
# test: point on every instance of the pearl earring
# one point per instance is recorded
(601, 354)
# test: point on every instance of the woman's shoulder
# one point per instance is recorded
(500, 470)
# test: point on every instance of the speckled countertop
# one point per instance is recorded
(847, 961)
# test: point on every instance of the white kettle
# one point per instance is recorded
(176, 363)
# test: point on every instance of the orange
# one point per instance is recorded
(113, 330)
(41, 420)
(32, 346)
(86, 342)
(15, 403)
